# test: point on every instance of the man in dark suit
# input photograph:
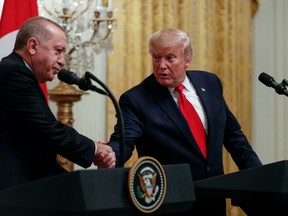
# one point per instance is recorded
(30, 135)
(156, 126)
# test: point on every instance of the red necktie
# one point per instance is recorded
(193, 119)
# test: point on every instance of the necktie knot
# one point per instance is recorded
(180, 88)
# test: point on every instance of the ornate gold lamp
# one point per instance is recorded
(89, 26)
(65, 95)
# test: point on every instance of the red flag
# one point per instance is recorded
(14, 14)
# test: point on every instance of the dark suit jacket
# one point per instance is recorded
(30, 136)
(155, 125)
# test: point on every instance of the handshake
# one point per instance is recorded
(105, 156)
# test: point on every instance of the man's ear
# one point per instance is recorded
(187, 62)
(32, 44)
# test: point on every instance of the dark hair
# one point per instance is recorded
(34, 27)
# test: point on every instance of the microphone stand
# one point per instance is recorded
(281, 88)
(85, 84)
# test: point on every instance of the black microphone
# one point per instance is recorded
(68, 77)
(269, 81)
(83, 83)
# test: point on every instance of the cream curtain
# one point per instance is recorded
(221, 39)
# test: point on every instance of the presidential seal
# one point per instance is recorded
(147, 184)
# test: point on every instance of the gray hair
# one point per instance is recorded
(34, 27)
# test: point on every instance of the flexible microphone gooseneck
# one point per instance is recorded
(85, 84)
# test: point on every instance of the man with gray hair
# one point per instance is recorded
(30, 135)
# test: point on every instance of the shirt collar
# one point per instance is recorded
(27, 65)
(187, 84)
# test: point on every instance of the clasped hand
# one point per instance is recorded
(104, 157)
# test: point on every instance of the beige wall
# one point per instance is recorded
(270, 48)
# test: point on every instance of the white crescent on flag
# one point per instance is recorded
(6, 43)
(14, 14)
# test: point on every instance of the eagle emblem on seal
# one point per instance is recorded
(147, 180)
(147, 184)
